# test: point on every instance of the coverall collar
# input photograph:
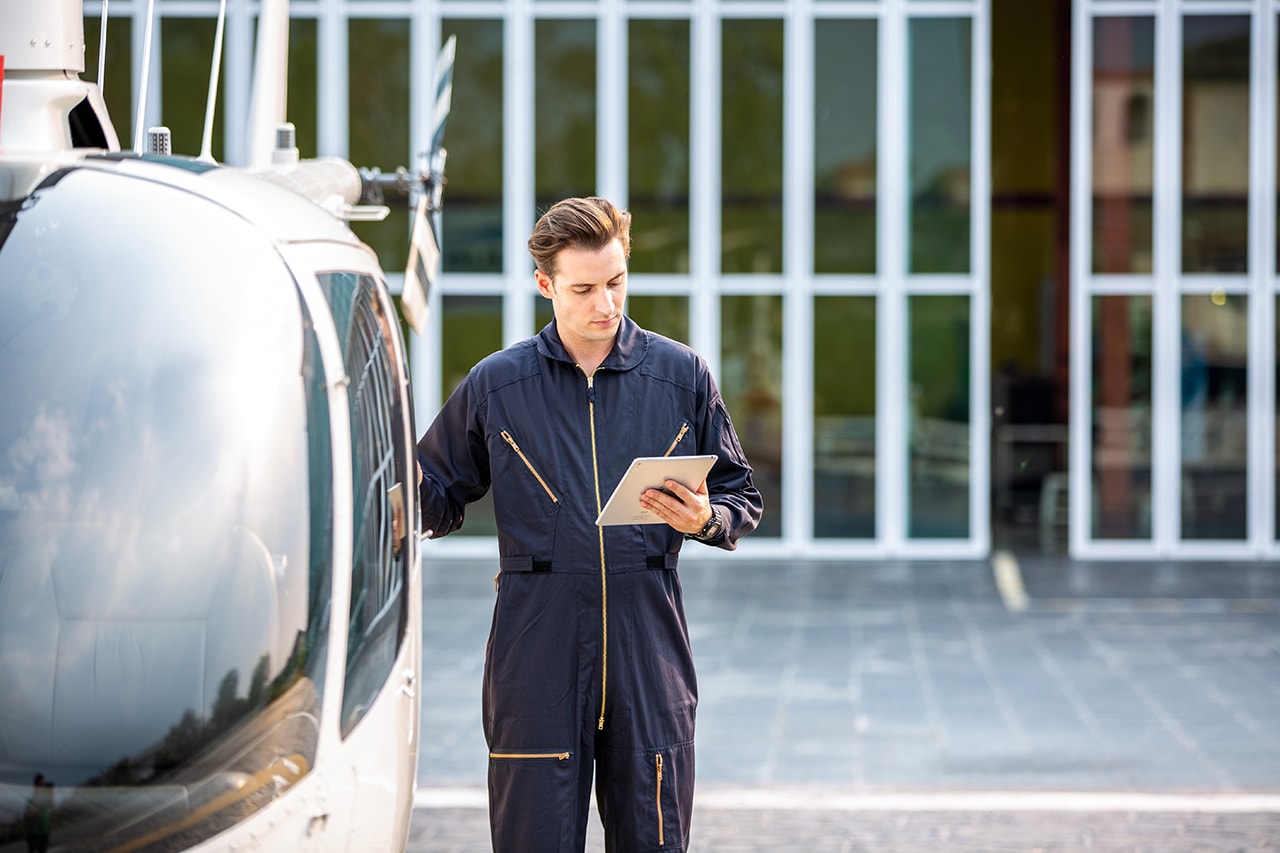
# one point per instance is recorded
(629, 348)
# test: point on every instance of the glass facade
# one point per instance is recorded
(1123, 112)
(911, 240)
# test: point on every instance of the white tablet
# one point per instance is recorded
(650, 472)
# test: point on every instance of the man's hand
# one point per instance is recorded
(684, 509)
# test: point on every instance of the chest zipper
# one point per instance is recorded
(506, 436)
(604, 582)
(684, 428)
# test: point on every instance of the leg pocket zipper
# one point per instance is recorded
(558, 756)
(657, 760)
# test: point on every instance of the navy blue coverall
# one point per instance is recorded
(588, 666)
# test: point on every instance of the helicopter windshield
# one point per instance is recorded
(165, 516)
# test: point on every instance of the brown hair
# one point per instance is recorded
(578, 223)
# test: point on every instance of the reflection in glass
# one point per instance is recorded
(1215, 143)
(939, 425)
(186, 46)
(658, 144)
(1120, 503)
(1123, 143)
(844, 139)
(378, 94)
(666, 315)
(940, 147)
(564, 110)
(165, 515)
(751, 384)
(751, 147)
(844, 422)
(379, 473)
(471, 328)
(1215, 385)
(471, 227)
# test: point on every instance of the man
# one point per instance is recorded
(588, 667)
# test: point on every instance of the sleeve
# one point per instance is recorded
(729, 485)
(454, 459)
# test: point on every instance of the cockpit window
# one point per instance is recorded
(379, 462)
(165, 517)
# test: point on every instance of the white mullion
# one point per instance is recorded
(1262, 388)
(704, 202)
(236, 86)
(332, 109)
(797, 266)
(1080, 444)
(518, 167)
(611, 104)
(892, 464)
(980, 267)
(1166, 437)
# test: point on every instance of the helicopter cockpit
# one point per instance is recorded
(166, 516)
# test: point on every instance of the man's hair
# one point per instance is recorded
(578, 223)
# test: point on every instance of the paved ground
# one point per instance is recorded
(1046, 705)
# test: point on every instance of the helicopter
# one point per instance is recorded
(210, 578)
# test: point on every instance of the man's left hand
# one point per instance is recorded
(685, 509)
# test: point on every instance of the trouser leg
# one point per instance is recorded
(645, 797)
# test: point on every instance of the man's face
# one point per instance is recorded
(587, 294)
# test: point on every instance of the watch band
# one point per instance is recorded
(711, 529)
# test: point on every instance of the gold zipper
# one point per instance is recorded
(684, 427)
(506, 436)
(604, 583)
(658, 763)
(558, 756)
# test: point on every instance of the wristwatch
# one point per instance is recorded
(711, 529)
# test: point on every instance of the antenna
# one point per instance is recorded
(102, 49)
(206, 147)
(146, 74)
(270, 73)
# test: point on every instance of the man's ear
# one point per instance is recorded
(545, 287)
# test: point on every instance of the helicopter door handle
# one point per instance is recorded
(407, 687)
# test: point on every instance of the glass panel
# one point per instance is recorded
(658, 145)
(118, 86)
(939, 417)
(471, 228)
(470, 329)
(564, 110)
(303, 86)
(1215, 144)
(186, 54)
(941, 120)
(844, 422)
(666, 315)
(380, 461)
(1120, 502)
(1123, 143)
(844, 146)
(751, 383)
(1215, 387)
(165, 515)
(751, 147)
(378, 94)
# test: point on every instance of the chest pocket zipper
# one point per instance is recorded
(506, 436)
(684, 428)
